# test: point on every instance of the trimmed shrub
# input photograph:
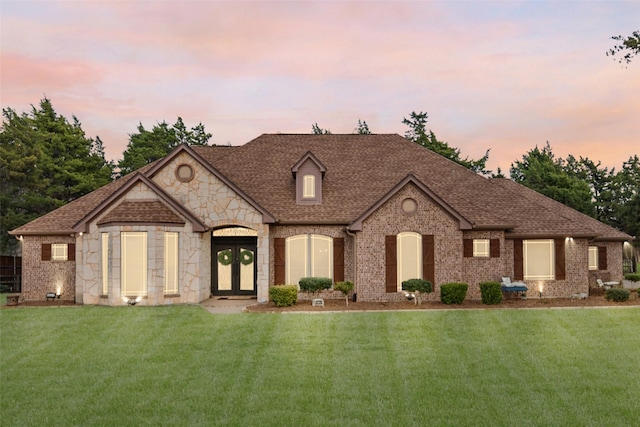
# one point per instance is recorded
(617, 294)
(420, 286)
(417, 285)
(345, 288)
(491, 292)
(315, 284)
(634, 277)
(453, 293)
(283, 295)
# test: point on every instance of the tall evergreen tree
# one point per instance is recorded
(362, 128)
(317, 130)
(45, 162)
(418, 133)
(541, 171)
(148, 146)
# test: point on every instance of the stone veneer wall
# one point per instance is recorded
(390, 219)
(205, 196)
(40, 277)
(476, 270)
(335, 231)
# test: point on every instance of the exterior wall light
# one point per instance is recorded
(132, 301)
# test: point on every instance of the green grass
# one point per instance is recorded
(181, 365)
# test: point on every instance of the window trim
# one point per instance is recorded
(526, 249)
(59, 252)
(478, 251)
(124, 261)
(309, 186)
(308, 256)
(399, 256)
(593, 256)
(105, 262)
(171, 262)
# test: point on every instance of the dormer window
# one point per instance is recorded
(309, 187)
(308, 173)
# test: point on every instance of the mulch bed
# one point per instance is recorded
(339, 304)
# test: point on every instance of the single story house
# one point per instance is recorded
(372, 209)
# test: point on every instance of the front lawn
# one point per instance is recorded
(182, 365)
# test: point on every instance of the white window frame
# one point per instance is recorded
(308, 186)
(593, 258)
(305, 258)
(405, 253)
(59, 252)
(171, 245)
(136, 258)
(105, 263)
(536, 267)
(481, 248)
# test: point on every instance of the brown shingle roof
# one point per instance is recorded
(360, 171)
(144, 211)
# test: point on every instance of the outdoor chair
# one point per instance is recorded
(513, 288)
(606, 285)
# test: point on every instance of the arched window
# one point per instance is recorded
(409, 253)
(308, 255)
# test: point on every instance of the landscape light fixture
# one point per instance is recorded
(409, 296)
(132, 301)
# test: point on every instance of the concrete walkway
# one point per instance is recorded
(227, 305)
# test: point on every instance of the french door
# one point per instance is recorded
(234, 269)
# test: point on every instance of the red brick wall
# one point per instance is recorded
(390, 219)
(40, 277)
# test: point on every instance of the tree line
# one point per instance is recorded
(47, 160)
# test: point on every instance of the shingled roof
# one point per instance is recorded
(361, 170)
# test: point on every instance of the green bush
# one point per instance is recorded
(491, 292)
(453, 293)
(417, 285)
(344, 287)
(315, 284)
(634, 277)
(283, 295)
(617, 294)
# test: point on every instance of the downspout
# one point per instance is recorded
(355, 261)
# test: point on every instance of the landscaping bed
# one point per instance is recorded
(340, 305)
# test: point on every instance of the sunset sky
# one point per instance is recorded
(501, 75)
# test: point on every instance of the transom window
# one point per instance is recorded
(309, 187)
(409, 251)
(59, 252)
(538, 259)
(308, 255)
(593, 257)
(480, 247)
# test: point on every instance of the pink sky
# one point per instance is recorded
(501, 75)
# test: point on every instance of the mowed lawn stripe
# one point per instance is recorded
(181, 365)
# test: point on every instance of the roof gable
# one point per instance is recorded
(267, 217)
(83, 224)
(308, 156)
(357, 224)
